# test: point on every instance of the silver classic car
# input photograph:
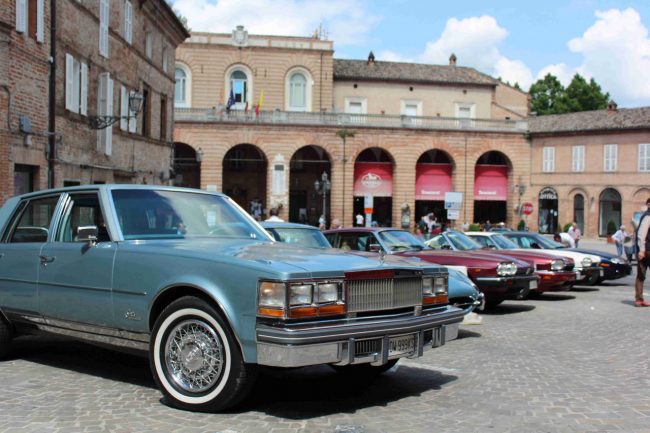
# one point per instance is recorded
(190, 279)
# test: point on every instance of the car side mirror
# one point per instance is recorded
(374, 248)
(88, 234)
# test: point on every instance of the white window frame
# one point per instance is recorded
(104, 16)
(467, 105)
(148, 45)
(250, 90)
(188, 86)
(610, 157)
(128, 21)
(356, 100)
(22, 16)
(105, 108)
(76, 85)
(644, 157)
(309, 84)
(410, 102)
(548, 159)
(126, 125)
(578, 158)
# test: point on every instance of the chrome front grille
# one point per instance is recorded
(383, 294)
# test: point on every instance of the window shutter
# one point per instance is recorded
(21, 16)
(133, 121)
(108, 150)
(69, 81)
(83, 97)
(103, 27)
(128, 21)
(101, 107)
(40, 20)
(124, 108)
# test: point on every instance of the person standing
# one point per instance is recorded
(619, 239)
(575, 233)
(274, 216)
(643, 247)
(360, 220)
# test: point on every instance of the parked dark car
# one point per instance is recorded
(498, 277)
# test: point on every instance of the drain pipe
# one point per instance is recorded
(52, 98)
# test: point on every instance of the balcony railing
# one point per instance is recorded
(347, 120)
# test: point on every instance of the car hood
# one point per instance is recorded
(299, 261)
(461, 286)
(529, 256)
(576, 256)
(473, 259)
(604, 254)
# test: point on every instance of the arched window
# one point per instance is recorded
(297, 92)
(239, 88)
(579, 211)
(180, 91)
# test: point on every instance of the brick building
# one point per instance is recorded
(591, 167)
(105, 51)
(419, 131)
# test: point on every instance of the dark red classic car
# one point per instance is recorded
(498, 277)
(555, 273)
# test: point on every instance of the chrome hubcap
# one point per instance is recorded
(194, 356)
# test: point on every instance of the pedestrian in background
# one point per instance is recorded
(564, 239)
(575, 233)
(619, 239)
(643, 247)
(360, 220)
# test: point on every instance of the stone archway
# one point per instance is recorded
(609, 212)
(187, 166)
(306, 203)
(491, 174)
(433, 178)
(244, 178)
(373, 176)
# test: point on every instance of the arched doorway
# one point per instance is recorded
(244, 178)
(305, 201)
(373, 175)
(548, 217)
(433, 178)
(491, 187)
(187, 166)
(610, 212)
(579, 211)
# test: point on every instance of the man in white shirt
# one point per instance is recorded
(575, 233)
(360, 220)
(274, 216)
(619, 240)
(564, 239)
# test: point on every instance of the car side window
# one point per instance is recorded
(331, 238)
(483, 240)
(437, 242)
(371, 240)
(83, 209)
(34, 223)
(522, 242)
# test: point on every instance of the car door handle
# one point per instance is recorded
(46, 259)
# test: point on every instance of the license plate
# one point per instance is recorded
(601, 271)
(533, 285)
(401, 345)
(578, 275)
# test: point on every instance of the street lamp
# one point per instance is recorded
(103, 122)
(343, 134)
(323, 187)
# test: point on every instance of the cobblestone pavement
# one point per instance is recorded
(570, 362)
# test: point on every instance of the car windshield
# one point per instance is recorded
(162, 214)
(503, 242)
(301, 236)
(528, 241)
(400, 240)
(462, 242)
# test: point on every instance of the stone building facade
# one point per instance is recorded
(590, 167)
(104, 51)
(419, 131)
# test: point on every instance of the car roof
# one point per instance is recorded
(362, 229)
(111, 187)
(285, 225)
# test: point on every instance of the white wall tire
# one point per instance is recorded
(195, 359)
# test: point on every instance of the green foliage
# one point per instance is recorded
(611, 227)
(548, 96)
(567, 226)
(181, 18)
(522, 225)
(474, 228)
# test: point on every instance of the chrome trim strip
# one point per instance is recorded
(124, 292)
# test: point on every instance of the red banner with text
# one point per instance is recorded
(374, 178)
(432, 181)
(491, 183)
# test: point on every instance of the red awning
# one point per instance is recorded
(432, 181)
(491, 183)
(374, 178)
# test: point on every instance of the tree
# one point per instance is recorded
(548, 96)
(545, 95)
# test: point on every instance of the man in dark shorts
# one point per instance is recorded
(643, 242)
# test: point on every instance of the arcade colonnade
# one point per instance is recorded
(407, 172)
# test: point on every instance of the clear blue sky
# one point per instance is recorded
(516, 40)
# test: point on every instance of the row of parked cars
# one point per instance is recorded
(190, 280)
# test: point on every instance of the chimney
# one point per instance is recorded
(611, 105)
(452, 59)
(371, 58)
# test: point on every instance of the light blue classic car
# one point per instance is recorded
(190, 279)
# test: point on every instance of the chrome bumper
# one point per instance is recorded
(337, 343)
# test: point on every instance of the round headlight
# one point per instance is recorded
(586, 262)
(557, 265)
(506, 269)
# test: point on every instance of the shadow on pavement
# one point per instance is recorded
(319, 391)
(553, 297)
(464, 333)
(504, 309)
(614, 283)
(584, 289)
(83, 358)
